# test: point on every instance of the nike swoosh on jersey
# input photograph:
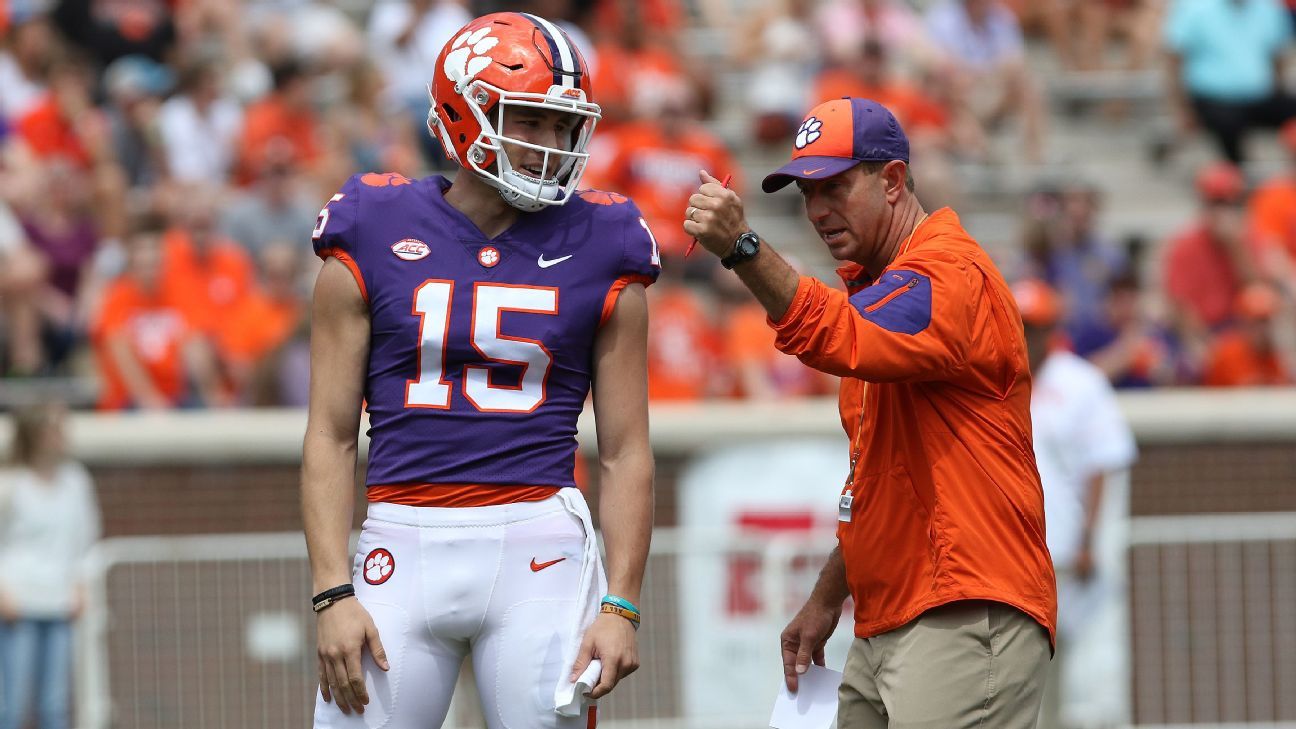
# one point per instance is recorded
(537, 567)
(546, 264)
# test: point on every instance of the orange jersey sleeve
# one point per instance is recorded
(913, 324)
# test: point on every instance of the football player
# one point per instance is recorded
(471, 319)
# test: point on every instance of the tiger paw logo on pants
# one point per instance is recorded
(379, 566)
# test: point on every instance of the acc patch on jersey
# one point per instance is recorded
(379, 566)
(410, 249)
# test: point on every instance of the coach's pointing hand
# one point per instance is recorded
(714, 215)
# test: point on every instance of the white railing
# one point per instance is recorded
(171, 593)
(176, 593)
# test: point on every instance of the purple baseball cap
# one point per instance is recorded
(837, 135)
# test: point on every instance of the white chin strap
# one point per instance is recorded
(527, 193)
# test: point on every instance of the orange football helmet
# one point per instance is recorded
(508, 60)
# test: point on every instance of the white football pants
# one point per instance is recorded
(514, 584)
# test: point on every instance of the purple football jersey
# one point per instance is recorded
(480, 350)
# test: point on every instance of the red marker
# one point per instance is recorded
(723, 183)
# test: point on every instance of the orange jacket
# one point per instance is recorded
(945, 502)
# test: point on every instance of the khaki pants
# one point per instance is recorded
(969, 664)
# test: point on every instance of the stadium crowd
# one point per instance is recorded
(162, 163)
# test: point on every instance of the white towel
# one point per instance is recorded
(569, 697)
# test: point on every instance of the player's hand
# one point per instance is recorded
(714, 215)
(344, 629)
(804, 638)
(611, 639)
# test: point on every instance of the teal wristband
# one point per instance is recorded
(620, 602)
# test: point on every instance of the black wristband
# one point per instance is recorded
(331, 595)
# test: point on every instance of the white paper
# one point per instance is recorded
(813, 706)
(570, 697)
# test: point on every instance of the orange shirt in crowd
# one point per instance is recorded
(1234, 361)
(210, 286)
(682, 345)
(914, 111)
(1272, 213)
(49, 135)
(258, 325)
(660, 172)
(749, 343)
(271, 119)
(157, 329)
(944, 502)
(1200, 277)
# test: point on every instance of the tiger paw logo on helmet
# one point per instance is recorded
(809, 132)
(468, 55)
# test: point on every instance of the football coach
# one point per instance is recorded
(941, 521)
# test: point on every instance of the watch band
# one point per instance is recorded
(745, 248)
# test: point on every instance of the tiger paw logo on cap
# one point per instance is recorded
(809, 132)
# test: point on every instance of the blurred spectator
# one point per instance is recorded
(202, 271)
(22, 278)
(286, 113)
(1207, 264)
(405, 39)
(655, 161)
(646, 66)
(261, 325)
(1272, 217)
(683, 342)
(1249, 354)
(49, 519)
(1080, 31)
(136, 87)
(759, 370)
(110, 29)
(779, 47)
(200, 125)
(58, 224)
(936, 131)
(65, 122)
(275, 209)
(1069, 251)
(1225, 67)
(358, 134)
(846, 24)
(1081, 440)
(24, 61)
(659, 17)
(151, 355)
(1128, 344)
(985, 55)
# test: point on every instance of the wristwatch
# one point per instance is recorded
(744, 249)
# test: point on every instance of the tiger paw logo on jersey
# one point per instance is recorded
(410, 249)
(384, 179)
(468, 57)
(488, 256)
(601, 197)
(379, 566)
(809, 132)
